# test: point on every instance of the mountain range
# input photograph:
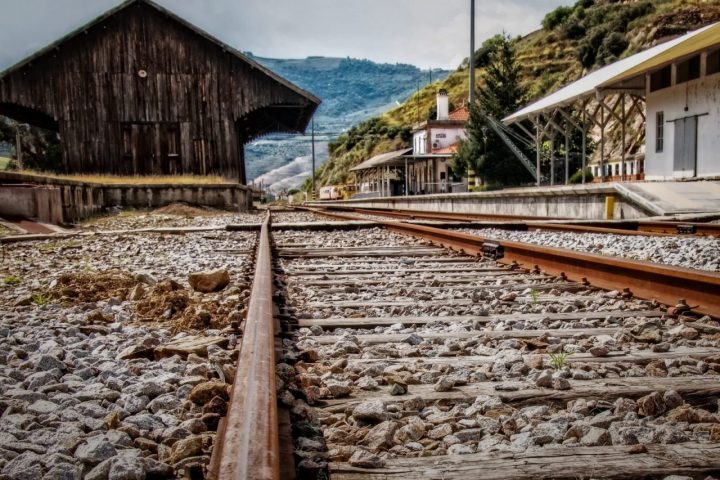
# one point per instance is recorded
(351, 90)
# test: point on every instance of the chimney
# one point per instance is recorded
(442, 105)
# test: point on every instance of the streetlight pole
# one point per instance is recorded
(471, 58)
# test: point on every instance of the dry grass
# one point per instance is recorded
(182, 210)
(136, 179)
(80, 287)
(167, 303)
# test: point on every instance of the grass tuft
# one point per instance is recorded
(40, 299)
(559, 360)
(11, 280)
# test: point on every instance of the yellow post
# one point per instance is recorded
(609, 207)
(471, 180)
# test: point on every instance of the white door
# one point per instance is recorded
(685, 154)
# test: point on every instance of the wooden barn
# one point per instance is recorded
(141, 91)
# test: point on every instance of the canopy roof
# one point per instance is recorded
(389, 159)
(622, 70)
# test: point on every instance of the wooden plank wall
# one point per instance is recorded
(190, 114)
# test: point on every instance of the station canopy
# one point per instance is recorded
(622, 71)
(390, 159)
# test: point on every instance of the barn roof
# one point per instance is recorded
(122, 6)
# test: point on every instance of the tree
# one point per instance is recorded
(40, 148)
(499, 95)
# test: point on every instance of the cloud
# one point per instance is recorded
(427, 33)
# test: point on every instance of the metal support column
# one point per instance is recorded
(602, 142)
(567, 154)
(552, 159)
(584, 144)
(538, 146)
(406, 178)
(623, 119)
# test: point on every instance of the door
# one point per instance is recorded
(145, 155)
(139, 147)
(685, 154)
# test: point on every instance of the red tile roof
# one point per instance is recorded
(452, 149)
(461, 114)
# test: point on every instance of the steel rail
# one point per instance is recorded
(523, 225)
(463, 217)
(248, 442)
(627, 227)
(666, 284)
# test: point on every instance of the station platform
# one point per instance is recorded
(630, 201)
(674, 198)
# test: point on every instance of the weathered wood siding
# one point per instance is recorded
(141, 93)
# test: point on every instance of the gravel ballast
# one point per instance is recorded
(701, 253)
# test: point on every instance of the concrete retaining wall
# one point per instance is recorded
(65, 201)
(579, 201)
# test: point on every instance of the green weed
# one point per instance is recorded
(11, 280)
(40, 299)
(534, 295)
(559, 360)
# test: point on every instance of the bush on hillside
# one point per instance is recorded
(488, 47)
(556, 17)
(612, 46)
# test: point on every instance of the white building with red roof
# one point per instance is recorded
(434, 143)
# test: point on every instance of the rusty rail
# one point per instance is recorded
(248, 441)
(666, 284)
(627, 227)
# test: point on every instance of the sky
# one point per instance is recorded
(426, 33)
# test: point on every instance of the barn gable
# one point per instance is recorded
(141, 91)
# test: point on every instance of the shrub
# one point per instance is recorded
(556, 17)
(576, 177)
(612, 46)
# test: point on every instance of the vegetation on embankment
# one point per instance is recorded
(572, 41)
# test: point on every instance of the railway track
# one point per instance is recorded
(398, 358)
(525, 223)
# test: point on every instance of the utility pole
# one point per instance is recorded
(417, 102)
(471, 58)
(312, 139)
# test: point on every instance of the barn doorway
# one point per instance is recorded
(685, 151)
(145, 142)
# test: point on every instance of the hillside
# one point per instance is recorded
(572, 41)
(351, 91)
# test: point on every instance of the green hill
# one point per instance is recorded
(351, 90)
(573, 41)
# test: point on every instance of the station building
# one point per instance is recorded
(673, 87)
(424, 168)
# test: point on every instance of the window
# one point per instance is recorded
(712, 64)
(173, 139)
(661, 79)
(659, 131)
(688, 70)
